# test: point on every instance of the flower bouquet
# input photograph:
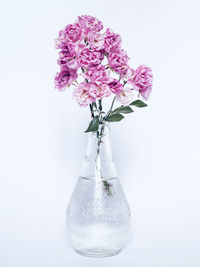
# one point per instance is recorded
(94, 63)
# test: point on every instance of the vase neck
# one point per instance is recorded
(98, 161)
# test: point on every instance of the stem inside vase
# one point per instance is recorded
(106, 185)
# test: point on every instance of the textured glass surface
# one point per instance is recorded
(98, 213)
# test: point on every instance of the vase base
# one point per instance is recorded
(98, 253)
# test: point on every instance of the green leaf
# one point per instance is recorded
(94, 125)
(123, 109)
(115, 117)
(138, 103)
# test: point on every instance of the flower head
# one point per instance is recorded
(115, 86)
(142, 81)
(61, 40)
(96, 40)
(65, 77)
(88, 58)
(112, 41)
(67, 56)
(125, 97)
(98, 74)
(118, 61)
(72, 33)
(82, 94)
(128, 74)
(89, 23)
(99, 90)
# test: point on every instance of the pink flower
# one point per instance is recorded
(115, 86)
(98, 74)
(89, 23)
(128, 74)
(125, 97)
(60, 40)
(72, 33)
(142, 81)
(65, 77)
(118, 62)
(88, 58)
(112, 41)
(99, 90)
(68, 49)
(82, 94)
(96, 40)
(67, 56)
(71, 63)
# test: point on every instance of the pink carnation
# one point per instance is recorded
(89, 23)
(96, 40)
(88, 58)
(65, 77)
(98, 74)
(60, 40)
(142, 81)
(82, 94)
(67, 56)
(68, 49)
(128, 74)
(118, 62)
(99, 90)
(115, 86)
(125, 97)
(71, 33)
(112, 41)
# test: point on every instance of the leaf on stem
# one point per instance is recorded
(123, 109)
(138, 103)
(94, 125)
(115, 117)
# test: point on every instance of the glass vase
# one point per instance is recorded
(98, 214)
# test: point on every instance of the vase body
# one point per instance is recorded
(98, 214)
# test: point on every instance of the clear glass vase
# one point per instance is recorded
(98, 214)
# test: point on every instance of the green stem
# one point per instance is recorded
(100, 104)
(91, 109)
(112, 103)
(110, 110)
(99, 136)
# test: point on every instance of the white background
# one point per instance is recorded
(42, 142)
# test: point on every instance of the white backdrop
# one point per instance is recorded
(42, 143)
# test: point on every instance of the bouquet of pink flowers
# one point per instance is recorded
(101, 65)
